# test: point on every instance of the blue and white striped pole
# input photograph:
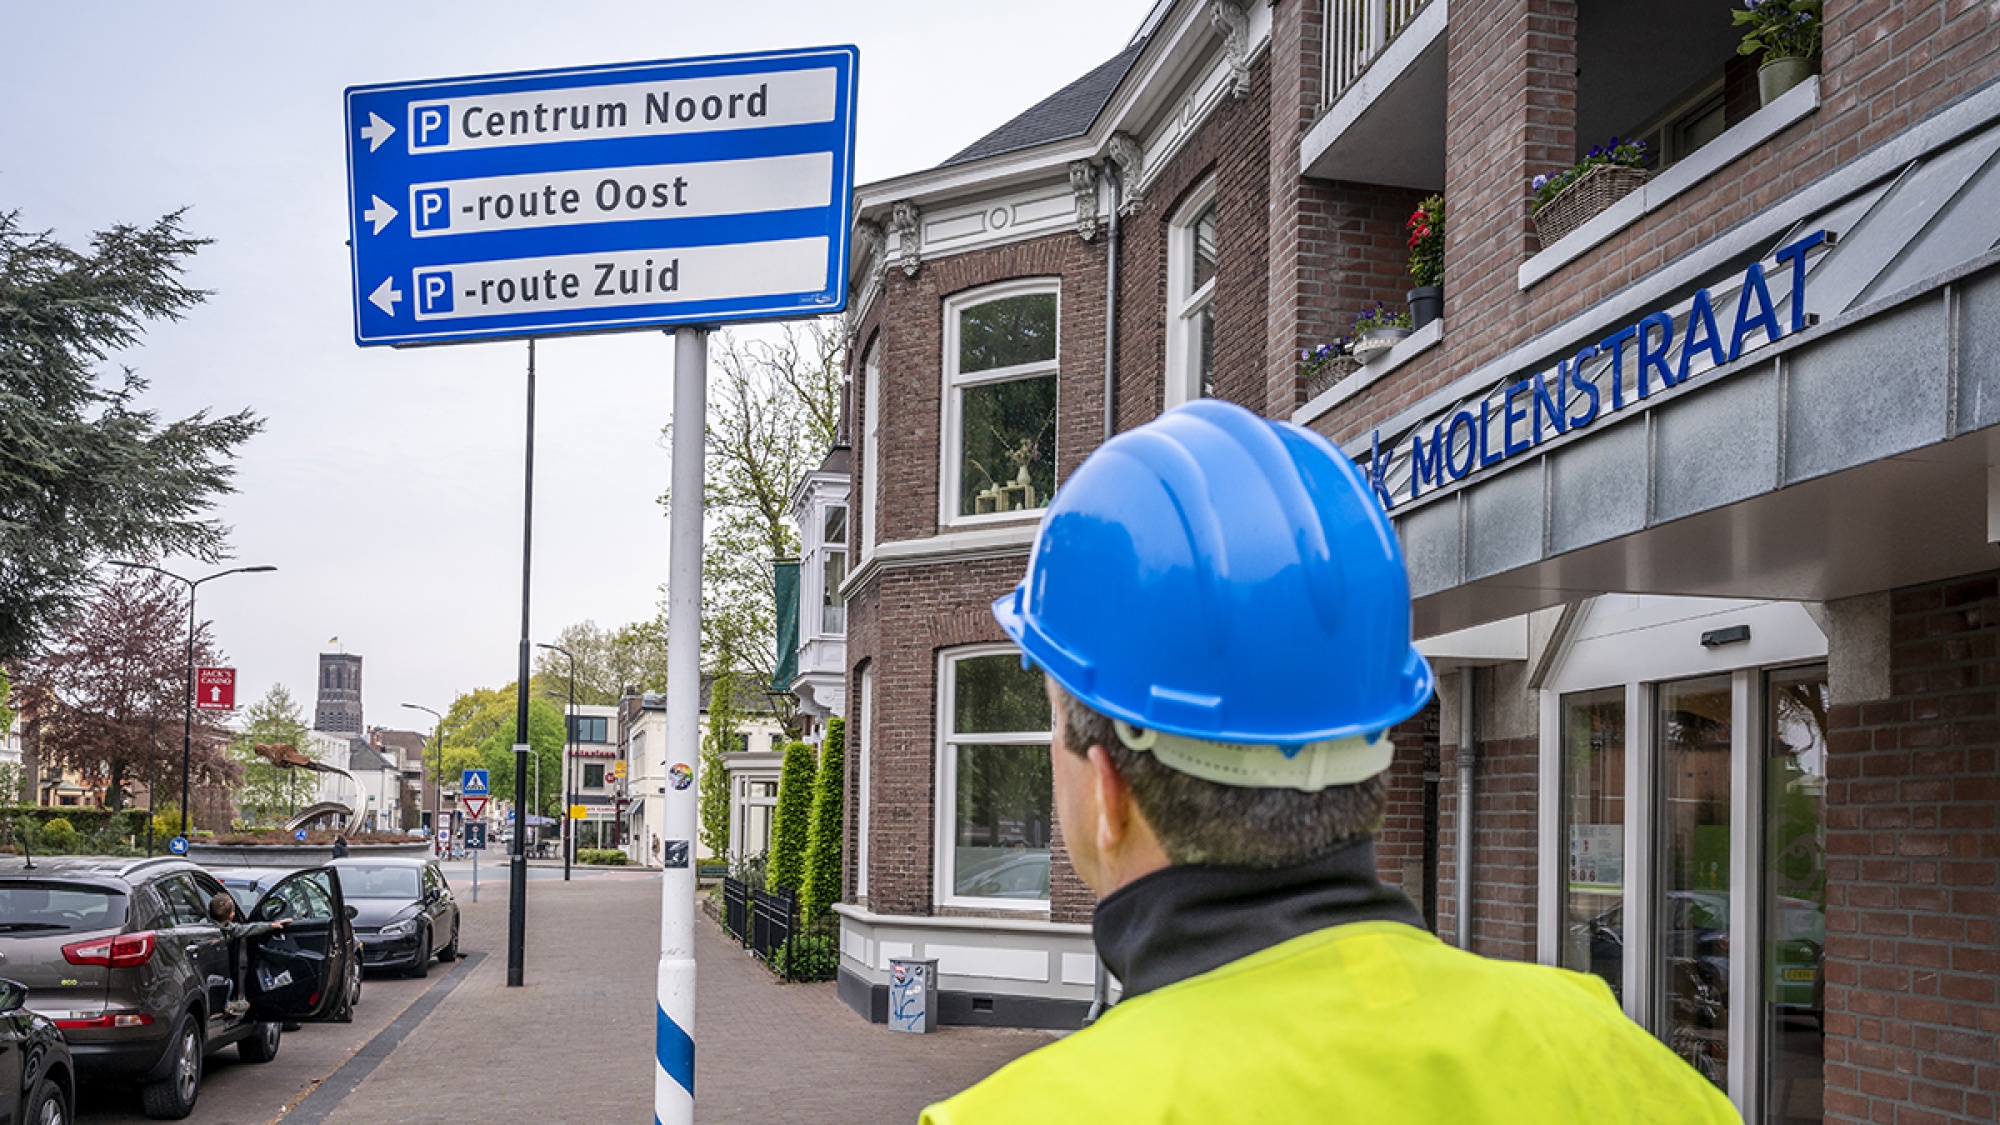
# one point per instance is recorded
(673, 1050)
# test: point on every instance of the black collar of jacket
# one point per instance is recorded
(1179, 922)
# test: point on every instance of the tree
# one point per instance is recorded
(822, 877)
(791, 822)
(271, 793)
(110, 691)
(607, 660)
(546, 735)
(85, 471)
(774, 409)
(724, 716)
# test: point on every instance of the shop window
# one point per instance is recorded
(1593, 809)
(833, 570)
(997, 781)
(1695, 736)
(1794, 897)
(1191, 270)
(593, 776)
(1000, 426)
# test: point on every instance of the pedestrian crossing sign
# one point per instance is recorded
(473, 784)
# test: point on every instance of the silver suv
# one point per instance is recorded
(122, 955)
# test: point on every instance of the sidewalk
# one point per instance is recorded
(575, 1043)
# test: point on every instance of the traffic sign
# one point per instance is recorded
(299, 834)
(601, 198)
(475, 837)
(579, 812)
(178, 845)
(473, 783)
(475, 807)
(215, 689)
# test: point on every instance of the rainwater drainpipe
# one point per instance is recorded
(1100, 989)
(1468, 760)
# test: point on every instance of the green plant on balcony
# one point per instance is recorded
(1565, 200)
(1426, 227)
(1786, 33)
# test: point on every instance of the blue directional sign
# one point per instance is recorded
(178, 845)
(601, 198)
(473, 784)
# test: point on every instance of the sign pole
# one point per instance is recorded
(517, 854)
(673, 1076)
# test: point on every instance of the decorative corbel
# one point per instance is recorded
(871, 247)
(1131, 160)
(1083, 183)
(908, 222)
(1232, 22)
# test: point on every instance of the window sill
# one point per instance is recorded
(1417, 343)
(1795, 105)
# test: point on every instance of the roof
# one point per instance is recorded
(361, 756)
(1065, 114)
(839, 459)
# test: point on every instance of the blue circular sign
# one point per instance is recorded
(299, 835)
(178, 845)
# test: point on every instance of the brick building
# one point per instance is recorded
(1698, 498)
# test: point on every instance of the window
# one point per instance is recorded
(1191, 266)
(1695, 736)
(871, 444)
(1794, 902)
(1593, 810)
(1000, 412)
(864, 734)
(997, 782)
(593, 775)
(833, 570)
(589, 728)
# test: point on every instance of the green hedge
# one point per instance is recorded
(822, 877)
(792, 821)
(607, 857)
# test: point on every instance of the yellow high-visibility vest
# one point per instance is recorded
(1372, 1022)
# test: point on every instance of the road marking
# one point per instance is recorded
(334, 1088)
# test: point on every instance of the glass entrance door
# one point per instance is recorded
(1695, 737)
(1793, 903)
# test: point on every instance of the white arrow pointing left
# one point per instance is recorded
(386, 295)
(377, 131)
(379, 213)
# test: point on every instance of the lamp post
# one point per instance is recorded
(187, 723)
(569, 736)
(437, 774)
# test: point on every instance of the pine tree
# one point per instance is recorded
(792, 821)
(720, 738)
(822, 882)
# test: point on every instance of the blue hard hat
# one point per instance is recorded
(1219, 576)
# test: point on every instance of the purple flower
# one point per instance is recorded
(1305, 354)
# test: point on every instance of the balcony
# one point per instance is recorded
(1384, 95)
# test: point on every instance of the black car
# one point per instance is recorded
(404, 912)
(248, 884)
(37, 1078)
(122, 955)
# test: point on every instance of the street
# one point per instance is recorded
(574, 1044)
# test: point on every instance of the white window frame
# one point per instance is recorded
(864, 736)
(820, 552)
(1183, 339)
(871, 458)
(945, 866)
(953, 443)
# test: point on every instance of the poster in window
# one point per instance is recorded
(1597, 857)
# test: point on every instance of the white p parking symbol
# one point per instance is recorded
(432, 126)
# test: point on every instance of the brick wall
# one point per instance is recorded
(1913, 871)
(1399, 844)
(1505, 845)
(1511, 105)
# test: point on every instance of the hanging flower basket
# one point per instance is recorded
(1597, 188)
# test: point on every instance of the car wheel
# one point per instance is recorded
(422, 966)
(262, 1046)
(450, 952)
(344, 1011)
(48, 1106)
(172, 1097)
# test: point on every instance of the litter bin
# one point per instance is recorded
(912, 995)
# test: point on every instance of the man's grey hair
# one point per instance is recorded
(1202, 822)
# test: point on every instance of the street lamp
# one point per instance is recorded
(437, 775)
(569, 736)
(187, 724)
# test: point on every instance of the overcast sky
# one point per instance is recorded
(387, 485)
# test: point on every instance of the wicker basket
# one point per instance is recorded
(1329, 373)
(1575, 205)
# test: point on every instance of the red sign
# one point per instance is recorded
(215, 689)
(475, 807)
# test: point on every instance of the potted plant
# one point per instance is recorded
(1377, 330)
(1322, 367)
(1569, 198)
(1426, 227)
(1787, 34)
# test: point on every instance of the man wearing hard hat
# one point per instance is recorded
(1221, 611)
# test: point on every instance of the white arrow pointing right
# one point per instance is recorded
(379, 213)
(376, 131)
(386, 295)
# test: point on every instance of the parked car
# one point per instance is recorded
(405, 914)
(248, 884)
(122, 956)
(37, 1077)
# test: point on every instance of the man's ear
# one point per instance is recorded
(1114, 802)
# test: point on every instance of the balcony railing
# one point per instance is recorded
(1356, 32)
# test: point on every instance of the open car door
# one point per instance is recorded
(299, 972)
